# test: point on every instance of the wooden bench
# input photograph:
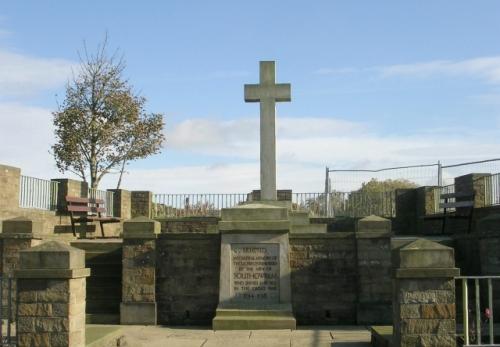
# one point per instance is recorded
(87, 210)
(465, 200)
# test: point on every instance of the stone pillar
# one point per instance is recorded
(488, 238)
(373, 246)
(405, 222)
(69, 187)
(51, 296)
(424, 295)
(139, 271)
(472, 183)
(121, 203)
(142, 204)
(10, 179)
(18, 234)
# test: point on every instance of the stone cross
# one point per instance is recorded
(267, 92)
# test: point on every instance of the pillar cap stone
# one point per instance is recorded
(20, 226)
(423, 253)
(141, 228)
(52, 259)
(490, 224)
(374, 223)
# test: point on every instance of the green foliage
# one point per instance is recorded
(102, 124)
(376, 186)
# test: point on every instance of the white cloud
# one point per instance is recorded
(22, 75)
(487, 68)
(26, 134)
(305, 146)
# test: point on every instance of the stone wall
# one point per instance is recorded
(141, 204)
(187, 278)
(324, 278)
(189, 224)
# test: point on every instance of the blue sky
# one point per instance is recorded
(373, 84)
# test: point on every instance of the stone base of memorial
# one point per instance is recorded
(255, 290)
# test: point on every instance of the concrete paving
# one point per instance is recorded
(155, 336)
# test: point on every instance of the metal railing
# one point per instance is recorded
(38, 193)
(472, 316)
(354, 204)
(190, 205)
(8, 314)
(438, 192)
(105, 195)
(492, 190)
(343, 204)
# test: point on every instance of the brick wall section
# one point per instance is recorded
(139, 270)
(51, 309)
(189, 224)
(141, 204)
(427, 308)
(187, 287)
(51, 312)
(323, 278)
(424, 295)
(374, 278)
(122, 207)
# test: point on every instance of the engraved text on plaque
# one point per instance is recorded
(255, 273)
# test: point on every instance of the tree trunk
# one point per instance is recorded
(121, 174)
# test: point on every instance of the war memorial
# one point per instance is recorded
(414, 278)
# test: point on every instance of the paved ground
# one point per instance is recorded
(141, 336)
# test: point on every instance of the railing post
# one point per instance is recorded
(465, 308)
(490, 306)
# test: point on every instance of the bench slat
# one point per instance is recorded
(457, 204)
(77, 208)
(77, 199)
(86, 209)
(457, 195)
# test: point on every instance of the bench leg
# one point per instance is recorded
(73, 227)
(102, 228)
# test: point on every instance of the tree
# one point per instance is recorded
(376, 197)
(102, 123)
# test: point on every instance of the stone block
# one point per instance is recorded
(141, 228)
(426, 254)
(254, 212)
(373, 224)
(141, 204)
(21, 225)
(143, 313)
(52, 255)
(487, 225)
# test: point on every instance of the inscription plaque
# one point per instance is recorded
(255, 273)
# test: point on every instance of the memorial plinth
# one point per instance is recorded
(255, 290)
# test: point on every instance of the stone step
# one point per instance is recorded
(308, 229)
(254, 322)
(269, 310)
(299, 218)
(254, 212)
(102, 318)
